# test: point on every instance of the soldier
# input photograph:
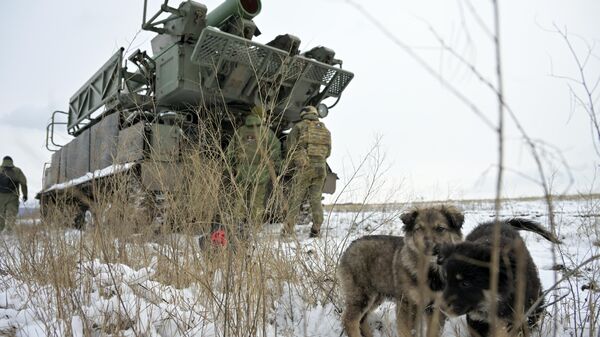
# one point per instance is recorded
(254, 153)
(308, 147)
(11, 178)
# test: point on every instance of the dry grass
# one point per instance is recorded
(235, 289)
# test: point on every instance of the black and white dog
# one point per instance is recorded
(467, 271)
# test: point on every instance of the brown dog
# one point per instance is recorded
(403, 269)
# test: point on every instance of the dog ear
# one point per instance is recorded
(409, 219)
(454, 215)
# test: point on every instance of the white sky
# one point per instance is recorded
(435, 146)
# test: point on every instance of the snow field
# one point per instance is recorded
(60, 282)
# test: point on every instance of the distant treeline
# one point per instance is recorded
(351, 207)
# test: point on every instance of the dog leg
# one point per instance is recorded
(351, 320)
(526, 332)
(365, 329)
(435, 323)
(502, 330)
(477, 328)
(355, 312)
(405, 318)
(483, 329)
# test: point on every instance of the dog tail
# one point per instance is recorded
(532, 226)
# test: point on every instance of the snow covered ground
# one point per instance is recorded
(57, 282)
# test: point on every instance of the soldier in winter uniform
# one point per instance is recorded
(254, 153)
(308, 147)
(11, 178)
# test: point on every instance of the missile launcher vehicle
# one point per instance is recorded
(139, 111)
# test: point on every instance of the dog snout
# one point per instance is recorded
(452, 305)
(446, 309)
(436, 249)
(429, 244)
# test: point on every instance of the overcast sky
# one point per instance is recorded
(435, 147)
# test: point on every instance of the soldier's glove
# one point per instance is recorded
(24, 198)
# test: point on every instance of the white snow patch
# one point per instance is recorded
(133, 299)
(110, 170)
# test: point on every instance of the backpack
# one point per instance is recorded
(7, 184)
(316, 139)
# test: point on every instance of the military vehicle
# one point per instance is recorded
(133, 114)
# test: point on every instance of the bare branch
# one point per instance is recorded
(479, 20)
(455, 91)
(495, 258)
(587, 101)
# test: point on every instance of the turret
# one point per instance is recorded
(190, 18)
(245, 9)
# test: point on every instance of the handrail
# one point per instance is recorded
(50, 131)
(151, 24)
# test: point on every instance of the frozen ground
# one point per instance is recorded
(120, 299)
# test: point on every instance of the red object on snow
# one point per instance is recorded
(217, 238)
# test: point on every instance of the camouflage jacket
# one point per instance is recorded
(11, 177)
(254, 153)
